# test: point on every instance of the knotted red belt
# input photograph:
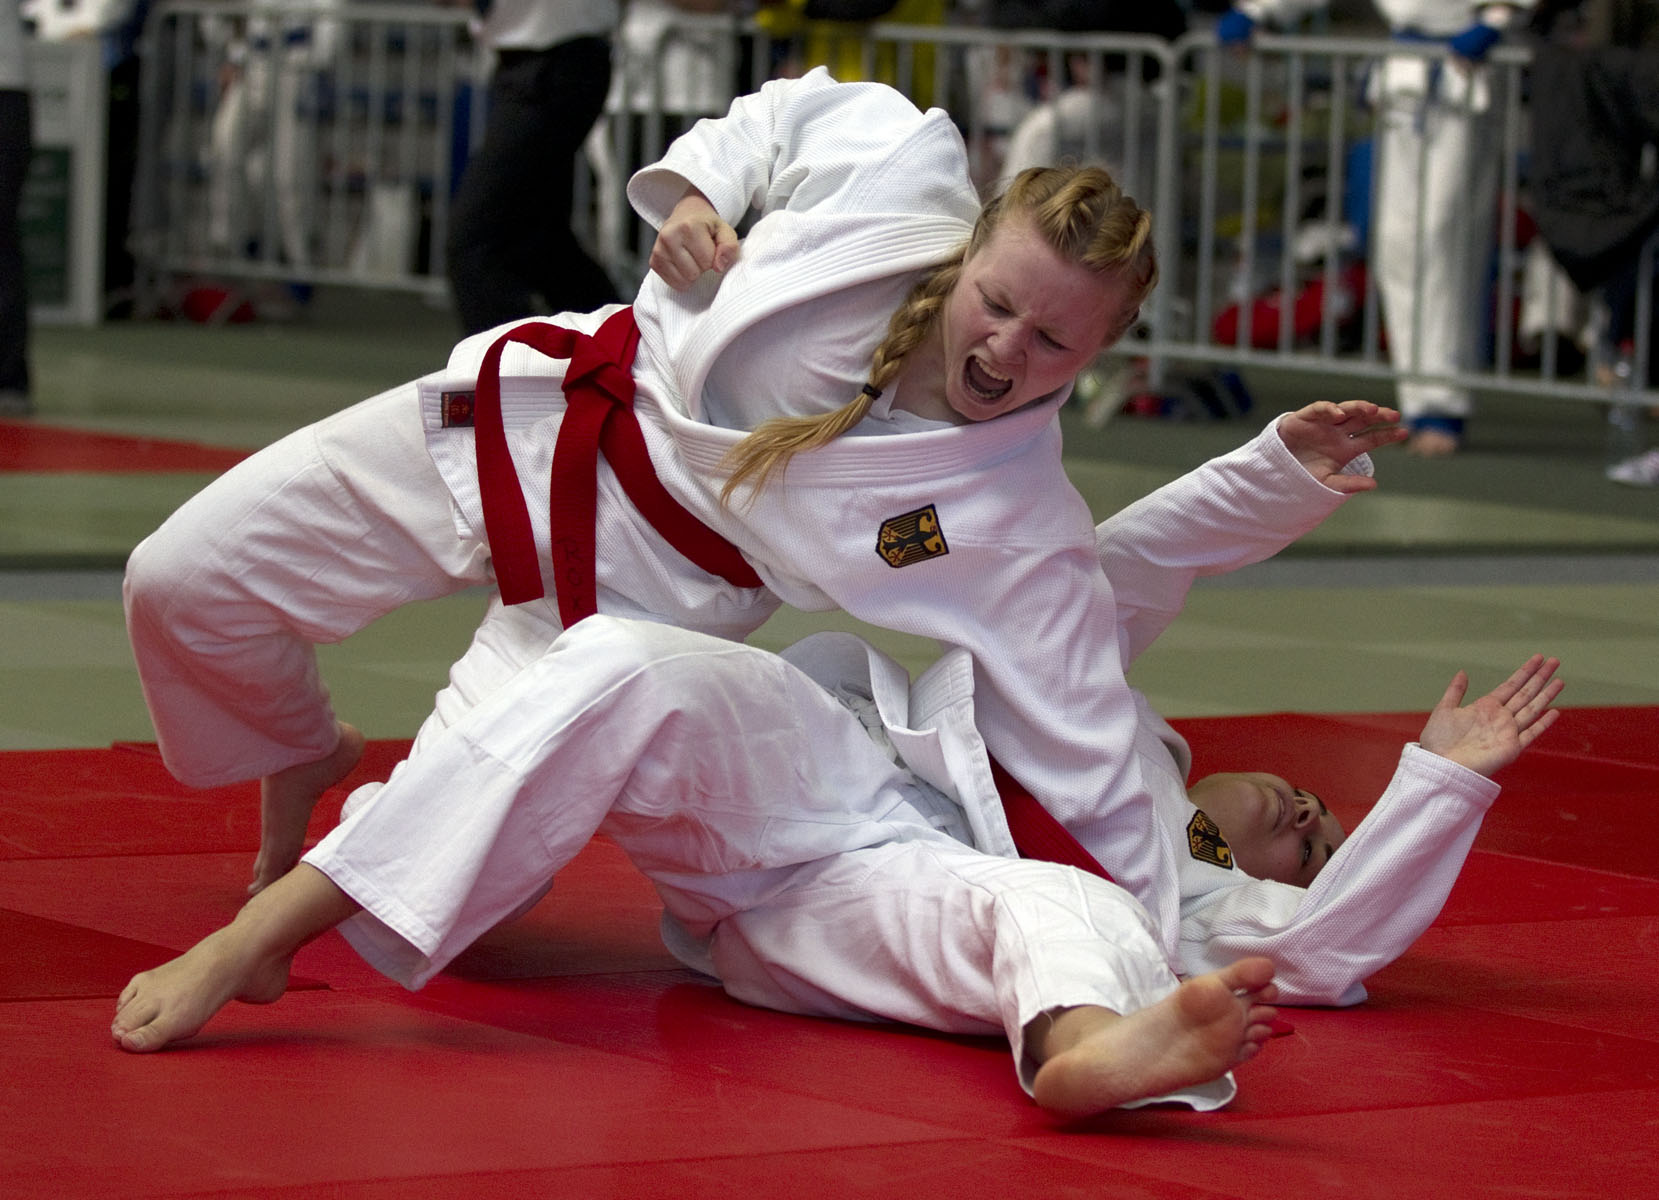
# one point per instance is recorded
(599, 417)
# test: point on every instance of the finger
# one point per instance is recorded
(1517, 680)
(1320, 412)
(725, 247)
(1455, 691)
(697, 250)
(684, 262)
(1539, 672)
(1534, 731)
(665, 262)
(1375, 435)
(1533, 711)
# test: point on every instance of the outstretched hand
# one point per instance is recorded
(694, 239)
(1327, 436)
(1492, 732)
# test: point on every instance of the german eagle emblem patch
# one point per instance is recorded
(456, 410)
(1205, 843)
(912, 537)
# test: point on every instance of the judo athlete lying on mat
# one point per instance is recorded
(827, 839)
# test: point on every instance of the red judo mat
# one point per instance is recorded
(1514, 1051)
(27, 445)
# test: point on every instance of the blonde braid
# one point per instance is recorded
(771, 445)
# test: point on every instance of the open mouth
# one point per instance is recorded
(985, 384)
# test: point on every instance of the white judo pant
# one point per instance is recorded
(796, 863)
(306, 542)
(1436, 192)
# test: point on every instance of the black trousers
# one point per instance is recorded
(510, 240)
(14, 293)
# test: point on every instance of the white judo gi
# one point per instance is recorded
(824, 834)
(969, 534)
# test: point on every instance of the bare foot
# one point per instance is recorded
(285, 803)
(176, 999)
(1433, 443)
(1094, 1059)
(247, 960)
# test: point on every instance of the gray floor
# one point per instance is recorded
(1516, 545)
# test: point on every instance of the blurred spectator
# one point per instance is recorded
(1597, 197)
(263, 140)
(510, 239)
(831, 33)
(696, 75)
(1436, 195)
(1084, 117)
(14, 166)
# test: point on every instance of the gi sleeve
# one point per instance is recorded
(795, 144)
(1234, 510)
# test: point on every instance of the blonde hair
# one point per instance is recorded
(1080, 212)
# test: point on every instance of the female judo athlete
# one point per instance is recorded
(928, 343)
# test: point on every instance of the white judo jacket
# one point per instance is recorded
(1387, 882)
(971, 534)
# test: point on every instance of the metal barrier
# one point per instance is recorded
(301, 142)
(1285, 212)
(1256, 166)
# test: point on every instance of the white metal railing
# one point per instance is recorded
(1253, 164)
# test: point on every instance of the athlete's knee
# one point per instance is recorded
(155, 572)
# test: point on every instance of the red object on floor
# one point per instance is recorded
(27, 445)
(1512, 1051)
(1307, 313)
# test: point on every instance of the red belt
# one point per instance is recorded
(599, 416)
(1036, 831)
